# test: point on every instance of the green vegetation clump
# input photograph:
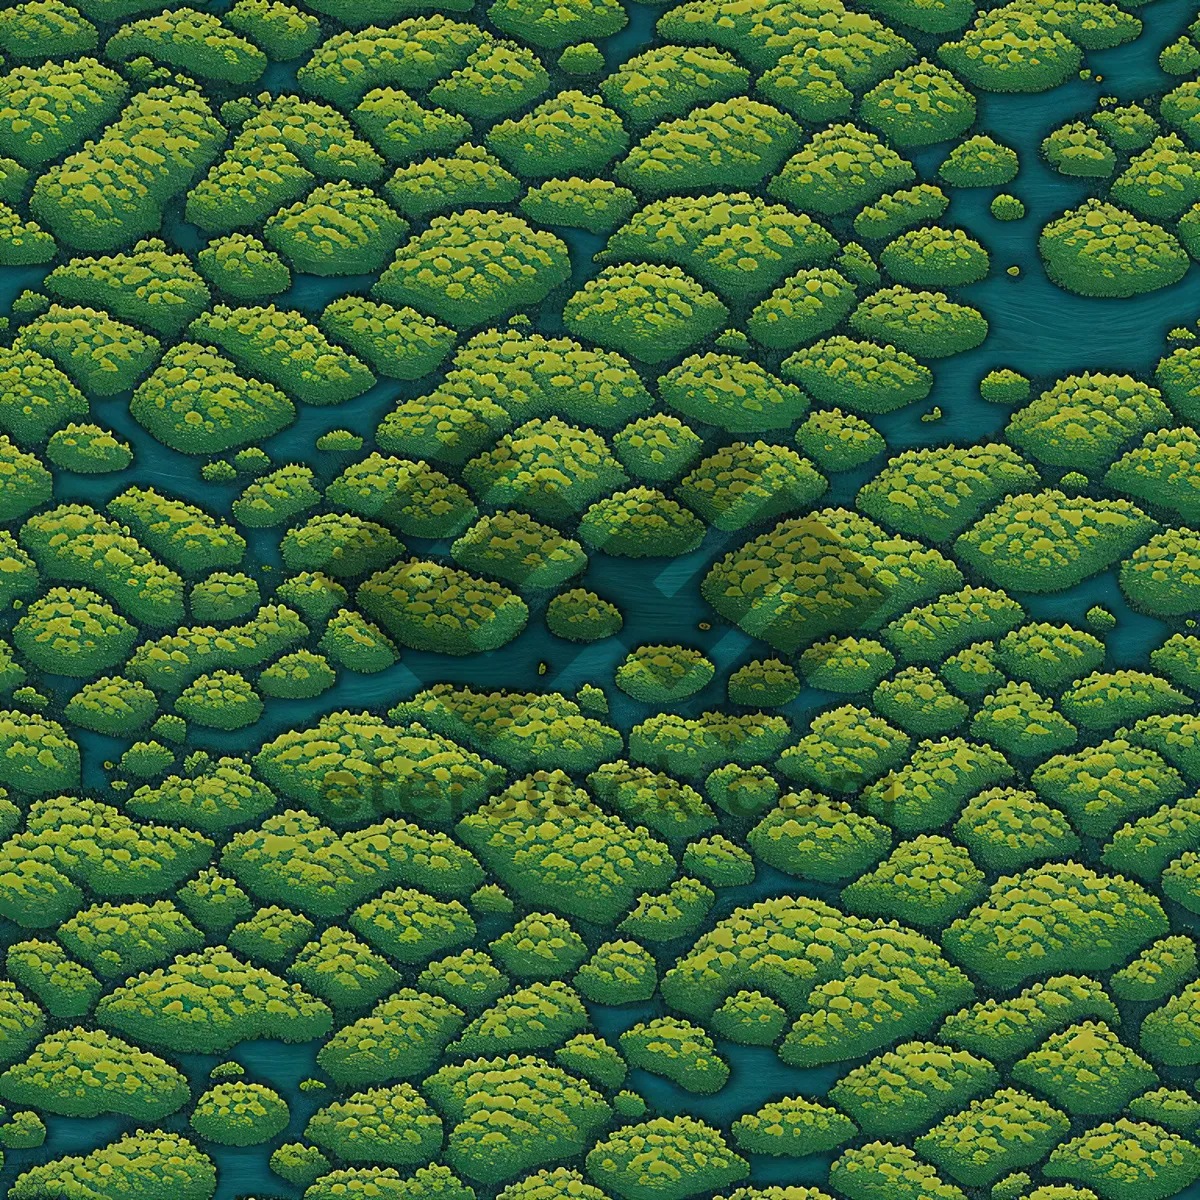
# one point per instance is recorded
(218, 410)
(846, 664)
(468, 175)
(842, 168)
(1047, 541)
(694, 1157)
(935, 257)
(240, 1114)
(140, 1162)
(938, 493)
(1087, 1070)
(639, 523)
(731, 143)
(1099, 249)
(224, 596)
(1127, 1159)
(919, 703)
(1049, 656)
(1006, 829)
(817, 838)
(911, 1087)
(866, 377)
(1126, 127)
(1158, 972)
(582, 616)
(924, 882)
(112, 705)
(677, 1050)
(397, 342)
(183, 535)
(1078, 149)
(663, 804)
(73, 631)
(765, 683)
(656, 448)
(1103, 786)
(427, 606)
(540, 946)
(897, 211)
(543, 858)
(410, 497)
(1159, 577)
(699, 233)
(992, 1136)
(297, 676)
(881, 1169)
(652, 314)
(596, 205)
(548, 467)
(221, 700)
(618, 972)
(70, 197)
(243, 268)
(1007, 208)
(919, 105)
(283, 31)
(732, 394)
(925, 324)
(1013, 51)
(286, 350)
(870, 575)
(472, 267)
(980, 161)
(520, 550)
(1083, 421)
(1074, 905)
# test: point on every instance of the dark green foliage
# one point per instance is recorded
(697, 1154)
(923, 323)
(1087, 1070)
(473, 614)
(1162, 969)
(866, 377)
(883, 1171)
(678, 1050)
(1164, 1163)
(640, 523)
(846, 554)
(841, 168)
(1049, 656)
(651, 314)
(466, 291)
(819, 839)
(1007, 829)
(1103, 786)
(1075, 538)
(242, 267)
(617, 973)
(911, 1087)
(731, 143)
(1073, 905)
(917, 701)
(548, 852)
(1005, 1131)
(924, 882)
(1101, 250)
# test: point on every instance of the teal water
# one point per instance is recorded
(1033, 326)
